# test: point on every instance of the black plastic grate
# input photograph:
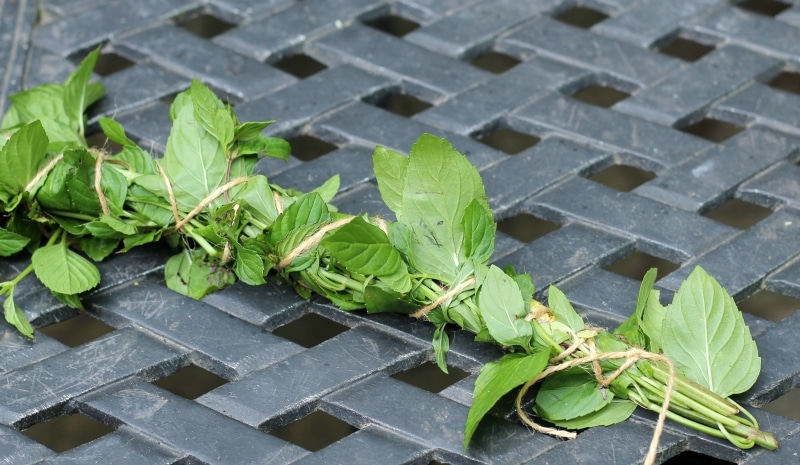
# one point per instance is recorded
(699, 103)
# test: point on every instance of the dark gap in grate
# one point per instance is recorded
(402, 104)
(429, 377)
(738, 213)
(99, 140)
(300, 65)
(110, 63)
(67, 432)
(623, 178)
(686, 49)
(77, 330)
(763, 7)
(307, 148)
(206, 26)
(581, 16)
(525, 227)
(787, 405)
(508, 140)
(786, 81)
(600, 96)
(635, 265)
(495, 62)
(769, 305)
(310, 330)
(394, 25)
(695, 458)
(190, 382)
(713, 130)
(314, 431)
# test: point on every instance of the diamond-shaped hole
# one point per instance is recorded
(713, 129)
(525, 227)
(402, 104)
(300, 65)
(310, 330)
(509, 141)
(429, 377)
(686, 49)
(190, 382)
(786, 81)
(394, 25)
(581, 16)
(763, 7)
(695, 458)
(99, 140)
(495, 62)
(600, 96)
(206, 26)
(787, 405)
(314, 431)
(623, 178)
(635, 265)
(67, 432)
(769, 305)
(77, 330)
(307, 148)
(110, 63)
(738, 213)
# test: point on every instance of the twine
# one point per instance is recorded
(310, 242)
(43, 172)
(278, 203)
(631, 356)
(173, 203)
(98, 173)
(444, 298)
(208, 199)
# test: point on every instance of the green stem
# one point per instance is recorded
(695, 391)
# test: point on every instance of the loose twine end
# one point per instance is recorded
(631, 356)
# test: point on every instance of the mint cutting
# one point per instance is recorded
(70, 205)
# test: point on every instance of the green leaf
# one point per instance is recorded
(706, 338)
(62, 270)
(570, 394)
(114, 131)
(479, 230)
(189, 273)
(381, 300)
(441, 345)
(11, 243)
(210, 112)
(308, 209)
(652, 322)
(274, 147)
(258, 200)
(562, 309)
(390, 170)
(70, 300)
(194, 160)
(631, 329)
(439, 185)
(40, 102)
(363, 248)
(98, 248)
(109, 227)
(497, 379)
(16, 317)
(250, 130)
(329, 188)
(615, 412)
(75, 91)
(249, 266)
(503, 309)
(23, 156)
(524, 281)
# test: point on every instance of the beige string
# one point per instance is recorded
(172, 201)
(444, 298)
(631, 356)
(311, 241)
(208, 199)
(98, 175)
(278, 202)
(43, 172)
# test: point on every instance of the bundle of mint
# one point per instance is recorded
(63, 201)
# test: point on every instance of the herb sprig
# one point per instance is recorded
(63, 201)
